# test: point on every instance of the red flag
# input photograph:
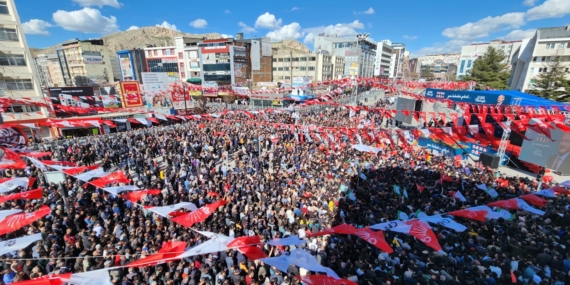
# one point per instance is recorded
(28, 195)
(376, 239)
(52, 279)
(252, 252)
(37, 154)
(17, 221)
(77, 170)
(423, 232)
(244, 241)
(540, 127)
(250, 115)
(199, 215)
(467, 119)
(470, 214)
(115, 177)
(64, 163)
(503, 183)
(324, 279)
(420, 188)
(534, 200)
(340, 229)
(135, 196)
(11, 160)
(511, 204)
(169, 251)
(513, 277)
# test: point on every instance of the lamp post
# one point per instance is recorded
(359, 37)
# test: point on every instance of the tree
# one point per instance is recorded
(426, 74)
(551, 83)
(490, 69)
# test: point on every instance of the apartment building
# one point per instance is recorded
(359, 55)
(471, 52)
(85, 62)
(42, 65)
(318, 66)
(399, 60)
(18, 73)
(383, 59)
(54, 70)
(535, 55)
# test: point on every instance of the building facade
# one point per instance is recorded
(85, 62)
(359, 55)
(471, 52)
(42, 65)
(399, 60)
(188, 59)
(163, 59)
(18, 72)
(54, 69)
(131, 64)
(439, 65)
(535, 56)
(383, 59)
(258, 49)
(318, 66)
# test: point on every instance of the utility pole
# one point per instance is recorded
(291, 78)
(185, 103)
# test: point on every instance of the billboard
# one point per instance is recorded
(131, 94)
(405, 104)
(353, 70)
(178, 99)
(156, 85)
(110, 97)
(255, 55)
(540, 150)
(83, 97)
(126, 65)
(266, 46)
(438, 148)
(92, 59)
(469, 96)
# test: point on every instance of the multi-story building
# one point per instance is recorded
(54, 69)
(359, 54)
(258, 48)
(318, 66)
(85, 62)
(398, 62)
(217, 58)
(440, 65)
(471, 52)
(414, 65)
(163, 59)
(131, 64)
(18, 73)
(42, 63)
(383, 59)
(535, 56)
(188, 59)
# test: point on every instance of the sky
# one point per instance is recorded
(426, 27)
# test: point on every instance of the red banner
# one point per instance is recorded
(131, 94)
(20, 220)
(198, 216)
(28, 195)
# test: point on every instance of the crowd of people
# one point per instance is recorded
(280, 182)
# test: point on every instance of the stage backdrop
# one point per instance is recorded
(540, 150)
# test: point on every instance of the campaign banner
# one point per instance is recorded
(178, 99)
(473, 97)
(82, 97)
(438, 148)
(553, 154)
(131, 94)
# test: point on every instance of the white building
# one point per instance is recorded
(18, 73)
(535, 54)
(319, 66)
(359, 55)
(399, 61)
(85, 62)
(42, 65)
(188, 58)
(383, 59)
(471, 52)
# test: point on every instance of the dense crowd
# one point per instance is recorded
(279, 182)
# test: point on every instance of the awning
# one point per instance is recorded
(160, 117)
(194, 80)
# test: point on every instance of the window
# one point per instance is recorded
(534, 58)
(288, 59)
(275, 69)
(312, 58)
(285, 68)
(274, 60)
(287, 77)
(303, 59)
(12, 59)
(4, 8)
(182, 66)
(280, 60)
(550, 45)
(311, 68)
(181, 55)
(280, 69)
(567, 69)
(155, 52)
(8, 34)
(17, 109)
(469, 63)
(543, 58)
(302, 68)
(295, 59)
(16, 84)
(461, 67)
(183, 74)
(172, 51)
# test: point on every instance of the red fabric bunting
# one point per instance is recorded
(199, 215)
(470, 214)
(17, 221)
(28, 195)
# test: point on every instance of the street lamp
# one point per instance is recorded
(359, 37)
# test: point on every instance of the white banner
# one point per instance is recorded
(18, 243)
(165, 210)
(13, 184)
(99, 172)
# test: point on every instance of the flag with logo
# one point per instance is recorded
(403, 216)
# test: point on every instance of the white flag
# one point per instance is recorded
(96, 277)
(459, 196)
(395, 226)
(526, 207)
(37, 163)
(18, 243)
(115, 190)
(99, 172)
(165, 210)
(444, 222)
(14, 183)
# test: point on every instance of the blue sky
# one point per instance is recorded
(424, 26)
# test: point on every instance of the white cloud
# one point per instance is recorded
(294, 8)
(529, 2)
(291, 31)
(519, 35)
(369, 11)
(36, 27)
(245, 28)
(227, 11)
(133, 28)
(410, 37)
(167, 25)
(340, 30)
(549, 9)
(199, 23)
(453, 46)
(86, 20)
(268, 21)
(484, 27)
(226, 36)
(98, 3)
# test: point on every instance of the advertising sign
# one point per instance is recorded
(126, 66)
(438, 148)
(156, 85)
(179, 98)
(208, 58)
(110, 97)
(266, 46)
(131, 94)
(299, 86)
(405, 104)
(83, 97)
(210, 88)
(92, 59)
(255, 55)
(240, 54)
(469, 96)
(540, 150)
(353, 70)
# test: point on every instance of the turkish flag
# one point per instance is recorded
(64, 163)
(11, 160)
(244, 241)
(454, 119)
(28, 195)
(252, 252)
(115, 177)
(420, 188)
(199, 215)
(375, 238)
(135, 196)
(511, 204)
(470, 214)
(37, 154)
(467, 119)
(534, 200)
(17, 221)
(169, 251)
(78, 170)
(423, 232)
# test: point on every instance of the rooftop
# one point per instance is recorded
(554, 33)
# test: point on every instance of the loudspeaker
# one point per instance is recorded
(418, 106)
(489, 160)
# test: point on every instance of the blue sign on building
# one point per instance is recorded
(474, 97)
